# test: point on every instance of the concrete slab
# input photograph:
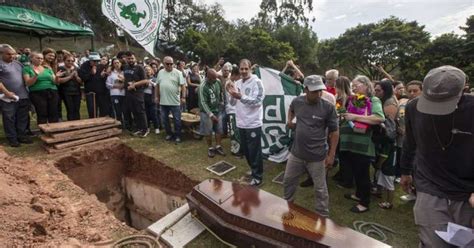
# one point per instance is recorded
(182, 232)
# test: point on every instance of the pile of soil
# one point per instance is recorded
(40, 206)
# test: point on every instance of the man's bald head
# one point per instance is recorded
(211, 75)
(168, 62)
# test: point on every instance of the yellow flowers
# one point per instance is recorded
(360, 97)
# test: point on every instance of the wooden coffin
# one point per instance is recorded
(250, 217)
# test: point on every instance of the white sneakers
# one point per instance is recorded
(157, 131)
(408, 197)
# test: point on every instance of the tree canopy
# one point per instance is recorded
(281, 31)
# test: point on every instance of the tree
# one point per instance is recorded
(260, 47)
(278, 13)
(195, 41)
(395, 44)
(304, 42)
(467, 50)
(444, 50)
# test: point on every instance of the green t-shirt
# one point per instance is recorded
(357, 142)
(170, 85)
(44, 80)
(210, 97)
(24, 59)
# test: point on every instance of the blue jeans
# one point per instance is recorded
(176, 113)
(15, 119)
(151, 112)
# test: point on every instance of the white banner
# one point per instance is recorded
(141, 19)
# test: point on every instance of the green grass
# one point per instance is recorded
(190, 157)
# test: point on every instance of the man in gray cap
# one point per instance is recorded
(315, 118)
(439, 137)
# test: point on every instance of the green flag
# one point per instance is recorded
(280, 90)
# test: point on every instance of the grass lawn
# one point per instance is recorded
(190, 157)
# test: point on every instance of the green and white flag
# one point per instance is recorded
(280, 90)
(141, 19)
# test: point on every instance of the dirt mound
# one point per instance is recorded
(40, 206)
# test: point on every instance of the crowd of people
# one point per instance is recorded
(420, 131)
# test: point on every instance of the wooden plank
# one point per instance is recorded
(84, 130)
(105, 134)
(72, 125)
(100, 143)
(78, 134)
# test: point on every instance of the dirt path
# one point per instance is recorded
(40, 206)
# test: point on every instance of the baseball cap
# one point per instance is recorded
(442, 89)
(314, 82)
(93, 56)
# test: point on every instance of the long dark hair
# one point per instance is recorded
(387, 88)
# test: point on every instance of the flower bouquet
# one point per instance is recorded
(340, 110)
(359, 105)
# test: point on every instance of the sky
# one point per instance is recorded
(333, 17)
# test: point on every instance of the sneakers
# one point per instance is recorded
(157, 131)
(211, 152)
(255, 182)
(136, 133)
(220, 151)
(407, 198)
(144, 133)
(307, 183)
(177, 140)
(397, 180)
(168, 137)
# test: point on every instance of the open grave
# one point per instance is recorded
(138, 189)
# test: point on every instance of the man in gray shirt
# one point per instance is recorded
(315, 118)
(15, 103)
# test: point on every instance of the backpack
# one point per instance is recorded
(386, 130)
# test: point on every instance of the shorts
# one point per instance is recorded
(385, 181)
(207, 126)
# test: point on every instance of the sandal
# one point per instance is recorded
(351, 197)
(385, 205)
(357, 210)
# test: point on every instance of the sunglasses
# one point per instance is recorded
(244, 69)
(168, 63)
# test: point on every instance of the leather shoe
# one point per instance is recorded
(15, 144)
(25, 140)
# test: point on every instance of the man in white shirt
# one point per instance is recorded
(247, 96)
